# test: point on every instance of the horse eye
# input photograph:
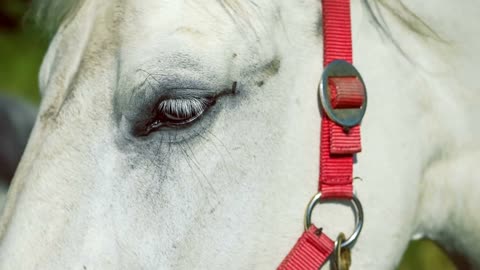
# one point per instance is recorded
(175, 112)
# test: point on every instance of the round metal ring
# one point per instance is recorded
(357, 206)
(344, 117)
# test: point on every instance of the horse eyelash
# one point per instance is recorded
(184, 107)
(188, 106)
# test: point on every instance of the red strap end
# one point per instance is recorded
(310, 252)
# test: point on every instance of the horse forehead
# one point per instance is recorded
(163, 29)
(194, 17)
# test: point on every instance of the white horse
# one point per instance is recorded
(184, 135)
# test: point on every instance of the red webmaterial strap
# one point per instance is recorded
(346, 92)
(338, 146)
(337, 34)
(310, 252)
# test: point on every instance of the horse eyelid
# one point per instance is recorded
(185, 106)
(184, 111)
(201, 104)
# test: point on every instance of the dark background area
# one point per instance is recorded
(22, 46)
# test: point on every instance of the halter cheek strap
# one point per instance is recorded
(343, 98)
(339, 143)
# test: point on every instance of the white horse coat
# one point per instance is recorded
(102, 187)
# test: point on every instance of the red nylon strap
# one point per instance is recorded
(346, 92)
(310, 251)
(337, 146)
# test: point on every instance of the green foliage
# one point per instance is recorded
(425, 255)
(20, 56)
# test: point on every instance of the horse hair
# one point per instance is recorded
(50, 14)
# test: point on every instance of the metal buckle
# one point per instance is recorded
(357, 206)
(346, 118)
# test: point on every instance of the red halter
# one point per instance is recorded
(343, 98)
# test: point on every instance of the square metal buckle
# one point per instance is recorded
(345, 117)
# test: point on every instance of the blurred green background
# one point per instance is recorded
(22, 47)
(21, 51)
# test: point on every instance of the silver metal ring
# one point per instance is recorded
(357, 206)
(345, 117)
